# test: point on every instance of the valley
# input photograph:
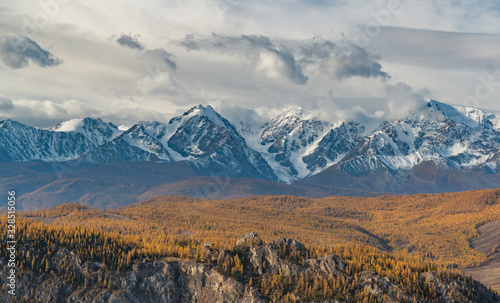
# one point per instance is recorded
(488, 242)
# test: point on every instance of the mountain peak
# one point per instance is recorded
(73, 125)
(147, 124)
(291, 115)
(200, 109)
(94, 129)
(206, 111)
(291, 112)
(78, 125)
(294, 109)
(469, 116)
(8, 122)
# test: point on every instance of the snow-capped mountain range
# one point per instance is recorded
(289, 147)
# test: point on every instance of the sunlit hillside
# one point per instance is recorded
(437, 227)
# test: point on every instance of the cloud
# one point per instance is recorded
(156, 58)
(51, 109)
(190, 42)
(5, 103)
(16, 52)
(243, 118)
(286, 60)
(159, 57)
(431, 49)
(276, 61)
(358, 63)
(401, 98)
(255, 71)
(272, 60)
(157, 84)
(344, 61)
(129, 41)
(47, 113)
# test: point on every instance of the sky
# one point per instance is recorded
(128, 61)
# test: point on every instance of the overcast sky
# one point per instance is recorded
(126, 61)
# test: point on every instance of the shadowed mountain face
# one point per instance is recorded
(437, 148)
(426, 177)
(41, 185)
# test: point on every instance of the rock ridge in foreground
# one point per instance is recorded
(251, 272)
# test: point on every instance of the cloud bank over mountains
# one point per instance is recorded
(126, 61)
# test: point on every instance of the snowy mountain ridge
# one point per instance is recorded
(291, 146)
(20, 142)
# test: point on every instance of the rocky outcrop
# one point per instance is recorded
(157, 281)
(285, 256)
(161, 281)
(248, 240)
(447, 290)
(328, 265)
(185, 281)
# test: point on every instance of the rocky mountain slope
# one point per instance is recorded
(440, 148)
(157, 281)
(452, 139)
(66, 141)
(200, 136)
